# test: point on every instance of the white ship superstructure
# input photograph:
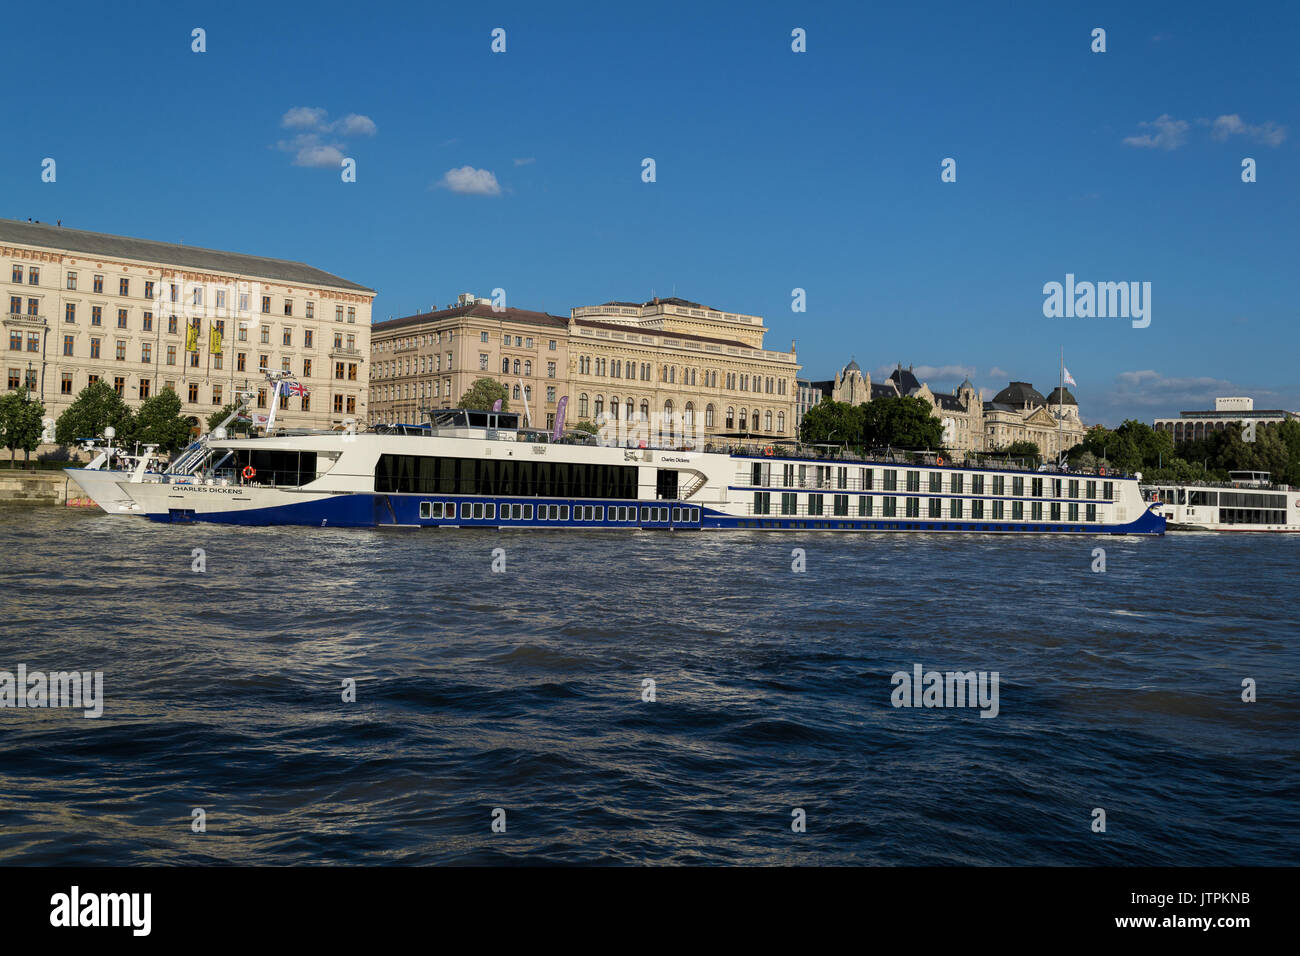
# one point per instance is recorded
(1248, 501)
(480, 469)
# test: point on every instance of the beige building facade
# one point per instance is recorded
(971, 424)
(143, 315)
(652, 362)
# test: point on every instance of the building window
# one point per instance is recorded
(146, 352)
(241, 361)
(70, 312)
(119, 385)
(261, 398)
(216, 394)
(72, 281)
(266, 305)
(288, 306)
(338, 370)
(148, 290)
(96, 315)
(306, 368)
(338, 403)
(121, 318)
(67, 344)
(306, 338)
(171, 355)
(147, 322)
(65, 386)
(124, 287)
(144, 388)
(352, 314)
(94, 348)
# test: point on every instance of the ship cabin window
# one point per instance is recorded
(1090, 512)
(1108, 490)
(1090, 490)
(913, 481)
(958, 482)
(1073, 488)
(287, 468)
(814, 504)
(954, 508)
(999, 485)
(1036, 511)
(645, 514)
(1018, 486)
(890, 506)
(936, 508)
(976, 508)
(677, 514)
(864, 478)
(840, 506)
(891, 479)
(936, 482)
(1036, 487)
(977, 484)
(420, 474)
(1017, 511)
(864, 506)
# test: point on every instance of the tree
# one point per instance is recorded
(235, 427)
(20, 424)
(903, 421)
(585, 426)
(159, 422)
(95, 408)
(1023, 449)
(832, 423)
(483, 394)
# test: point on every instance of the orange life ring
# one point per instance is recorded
(248, 472)
(939, 460)
(768, 451)
(1102, 471)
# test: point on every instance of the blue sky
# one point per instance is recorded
(775, 170)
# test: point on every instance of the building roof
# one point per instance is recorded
(672, 334)
(965, 385)
(1061, 396)
(482, 310)
(853, 366)
(904, 379)
(169, 253)
(1017, 395)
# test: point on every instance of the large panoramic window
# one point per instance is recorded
(414, 474)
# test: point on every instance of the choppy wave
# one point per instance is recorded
(525, 691)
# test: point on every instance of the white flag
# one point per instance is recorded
(1069, 379)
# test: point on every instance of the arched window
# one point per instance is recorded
(744, 420)
(505, 366)
(645, 411)
(516, 366)
(780, 423)
(672, 375)
(528, 368)
(582, 405)
(613, 407)
(599, 410)
(767, 422)
(631, 410)
(516, 393)
(668, 411)
(688, 415)
(731, 418)
(708, 415)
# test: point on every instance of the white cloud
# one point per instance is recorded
(354, 124)
(1269, 133)
(999, 373)
(525, 162)
(1169, 133)
(308, 147)
(319, 156)
(303, 117)
(471, 182)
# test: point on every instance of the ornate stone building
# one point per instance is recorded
(87, 306)
(617, 362)
(1017, 413)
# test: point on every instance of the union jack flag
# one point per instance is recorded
(289, 389)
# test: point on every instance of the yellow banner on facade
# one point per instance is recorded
(192, 337)
(214, 340)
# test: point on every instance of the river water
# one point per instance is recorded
(524, 691)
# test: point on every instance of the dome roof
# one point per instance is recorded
(904, 379)
(1061, 396)
(853, 366)
(965, 385)
(1019, 393)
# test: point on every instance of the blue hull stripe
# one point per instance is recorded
(399, 510)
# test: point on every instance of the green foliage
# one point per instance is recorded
(1024, 449)
(1135, 446)
(833, 423)
(585, 426)
(900, 422)
(97, 407)
(234, 428)
(20, 423)
(159, 422)
(483, 393)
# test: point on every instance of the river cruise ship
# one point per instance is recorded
(478, 469)
(1248, 501)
